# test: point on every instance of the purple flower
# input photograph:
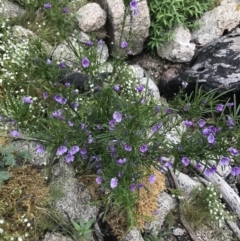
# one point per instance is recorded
(233, 151)
(124, 45)
(133, 4)
(184, 84)
(120, 174)
(70, 124)
(121, 161)
(185, 161)
(152, 179)
(133, 7)
(230, 121)
(139, 88)
(230, 104)
(83, 151)
(116, 88)
(198, 166)
(205, 131)
(156, 127)
(111, 124)
(27, 100)
(210, 171)
(61, 65)
(49, 61)
(169, 111)
(133, 187)
(45, 95)
(74, 105)
(143, 148)
(85, 62)
(61, 150)
(114, 182)
(127, 147)
(89, 43)
(99, 180)
(69, 158)
(235, 171)
(220, 107)
(188, 123)
(168, 164)
(15, 133)
(156, 212)
(65, 10)
(47, 5)
(73, 150)
(157, 109)
(61, 100)
(57, 113)
(100, 42)
(117, 116)
(67, 84)
(211, 138)
(224, 160)
(40, 149)
(186, 108)
(201, 123)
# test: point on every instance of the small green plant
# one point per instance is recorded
(84, 231)
(204, 207)
(9, 158)
(167, 14)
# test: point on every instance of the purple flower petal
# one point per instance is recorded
(40, 149)
(233, 151)
(235, 171)
(15, 133)
(114, 182)
(27, 100)
(85, 62)
(99, 180)
(143, 148)
(224, 161)
(61, 150)
(152, 179)
(185, 161)
(117, 116)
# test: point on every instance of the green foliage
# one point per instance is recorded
(204, 207)
(167, 14)
(8, 158)
(84, 231)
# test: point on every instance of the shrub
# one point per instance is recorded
(168, 14)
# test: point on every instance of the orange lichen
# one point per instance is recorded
(147, 202)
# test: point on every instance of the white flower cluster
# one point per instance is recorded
(216, 208)
(2, 5)
(12, 54)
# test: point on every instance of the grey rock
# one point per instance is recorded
(21, 34)
(216, 65)
(133, 235)
(136, 28)
(40, 159)
(186, 183)
(55, 237)
(146, 81)
(63, 52)
(9, 9)
(179, 49)
(75, 201)
(213, 23)
(166, 204)
(102, 52)
(179, 231)
(91, 17)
